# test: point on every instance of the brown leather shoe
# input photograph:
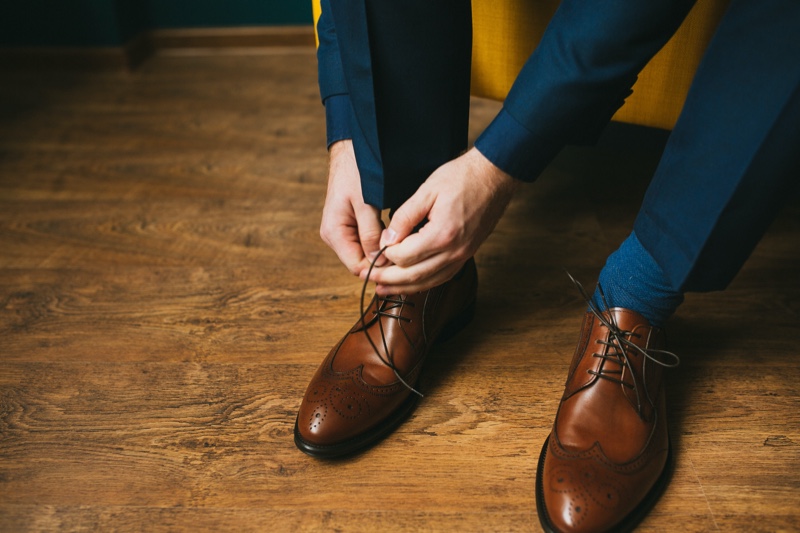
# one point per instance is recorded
(607, 459)
(361, 392)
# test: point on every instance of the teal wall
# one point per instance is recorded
(64, 23)
(114, 22)
(194, 13)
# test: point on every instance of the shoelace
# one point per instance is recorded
(382, 306)
(621, 344)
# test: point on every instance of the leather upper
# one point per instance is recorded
(609, 443)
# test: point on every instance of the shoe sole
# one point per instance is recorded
(388, 425)
(630, 521)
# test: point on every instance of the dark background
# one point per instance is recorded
(114, 22)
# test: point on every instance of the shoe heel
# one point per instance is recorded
(459, 322)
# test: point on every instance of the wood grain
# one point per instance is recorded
(165, 297)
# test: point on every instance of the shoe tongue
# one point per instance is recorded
(643, 335)
(593, 333)
(625, 319)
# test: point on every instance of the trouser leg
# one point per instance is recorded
(407, 66)
(734, 155)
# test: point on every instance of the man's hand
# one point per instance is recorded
(349, 226)
(462, 201)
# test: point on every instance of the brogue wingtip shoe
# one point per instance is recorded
(607, 459)
(363, 389)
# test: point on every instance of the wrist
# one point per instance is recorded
(342, 145)
(341, 157)
(491, 172)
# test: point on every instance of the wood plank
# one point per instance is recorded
(165, 297)
(234, 37)
(187, 41)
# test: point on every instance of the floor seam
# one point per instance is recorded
(705, 498)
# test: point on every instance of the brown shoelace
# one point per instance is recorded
(620, 347)
(382, 307)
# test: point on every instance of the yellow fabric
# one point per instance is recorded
(317, 10)
(505, 32)
(659, 93)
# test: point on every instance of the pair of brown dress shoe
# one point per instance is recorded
(607, 459)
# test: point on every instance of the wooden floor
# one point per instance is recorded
(165, 298)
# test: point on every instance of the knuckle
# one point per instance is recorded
(370, 235)
(460, 255)
(325, 234)
(448, 235)
(415, 277)
(403, 217)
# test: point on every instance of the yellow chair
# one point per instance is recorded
(506, 31)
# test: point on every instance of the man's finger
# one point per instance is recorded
(435, 279)
(351, 257)
(370, 228)
(415, 248)
(348, 249)
(414, 275)
(407, 217)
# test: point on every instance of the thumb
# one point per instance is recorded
(407, 217)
